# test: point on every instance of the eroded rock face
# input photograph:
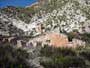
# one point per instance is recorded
(57, 40)
(67, 16)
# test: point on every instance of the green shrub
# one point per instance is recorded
(62, 58)
(65, 62)
(85, 54)
(52, 52)
(13, 58)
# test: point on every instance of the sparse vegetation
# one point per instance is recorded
(65, 58)
(64, 16)
(13, 58)
(85, 36)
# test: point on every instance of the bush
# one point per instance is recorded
(61, 58)
(85, 54)
(52, 52)
(86, 37)
(64, 62)
(13, 58)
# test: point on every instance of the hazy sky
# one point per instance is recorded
(22, 3)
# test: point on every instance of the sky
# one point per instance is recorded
(21, 3)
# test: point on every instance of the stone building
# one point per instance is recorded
(56, 40)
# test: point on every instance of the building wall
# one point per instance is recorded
(57, 40)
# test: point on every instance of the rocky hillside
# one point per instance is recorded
(63, 16)
(57, 23)
(68, 15)
(14, 21)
